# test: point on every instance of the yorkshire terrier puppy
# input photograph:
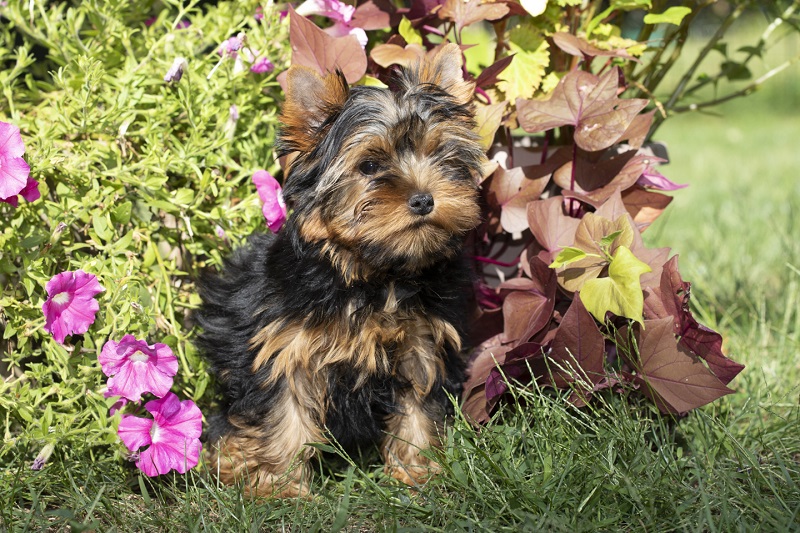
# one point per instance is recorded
(347, 324)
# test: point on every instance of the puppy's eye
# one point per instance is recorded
(368, 168)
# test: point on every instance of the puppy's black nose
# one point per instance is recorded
(421, 203)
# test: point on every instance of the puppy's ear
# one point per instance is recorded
(310, 100)
(444, 70)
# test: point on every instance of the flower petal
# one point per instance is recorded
(134, 431)
(13, 175)
(11, 144)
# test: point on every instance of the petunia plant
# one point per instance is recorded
(126, 157)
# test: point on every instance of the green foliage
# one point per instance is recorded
(620, 293)
(144, 183)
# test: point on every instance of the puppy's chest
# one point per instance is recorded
(395, 336)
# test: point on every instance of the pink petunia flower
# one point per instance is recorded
(262, 65)
(30, 192)
(269, 190)
(172, 436)
(134, 368)
(117, 405)
(340, 13)
(14, 170)
(70, 307)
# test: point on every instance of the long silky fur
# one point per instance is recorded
(310, 274)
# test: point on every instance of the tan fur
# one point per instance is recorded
(270, 459)
(296, 347)
(410, 433)
(309, 99)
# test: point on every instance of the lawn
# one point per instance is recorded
(539, 464)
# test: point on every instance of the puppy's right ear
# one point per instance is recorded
(310, 100)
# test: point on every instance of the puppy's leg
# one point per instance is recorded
(271, 457)
(410, 432)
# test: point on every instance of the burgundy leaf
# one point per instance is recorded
(637, 132)
(464, 13)
(644, 206)
(578, 345)
(488, 77)
(528, 308)
(598, 178)
(550, 225)
(587, 102)
(375, 15)
(515, 366)
(512, 190)
(313, 48)
(578, 46)
(388, 54)
(669, 373)
(671, 300)
(707, 344)
(475, 405)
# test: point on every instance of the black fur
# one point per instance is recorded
(267, 280)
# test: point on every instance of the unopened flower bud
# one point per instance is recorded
(175, 72)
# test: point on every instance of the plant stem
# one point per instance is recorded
(761, 42)
(679, 91)
(741, 92)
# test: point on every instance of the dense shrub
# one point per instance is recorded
(143, 183)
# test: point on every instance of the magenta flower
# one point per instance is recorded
(30, 192)
(134, 368)
(340, 13)
(269, 190)
(172, 436)
(70, 307)
(262, 65)
(14, 170)
(116, 406)
(654, 179)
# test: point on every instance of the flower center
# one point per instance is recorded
(61, 298)
(155, 433)
(138, 355)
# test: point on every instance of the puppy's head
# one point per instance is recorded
(387, 177)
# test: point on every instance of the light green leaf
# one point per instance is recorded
(621, 292)
(608, 240)
(673, 15)
(408, 32)
(566, 256)
(531, 58)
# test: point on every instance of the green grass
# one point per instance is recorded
(540, 465)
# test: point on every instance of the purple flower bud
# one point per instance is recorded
(175, 72)
(43, 456)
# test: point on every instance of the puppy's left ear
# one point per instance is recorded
(310, 100)
(445, 70)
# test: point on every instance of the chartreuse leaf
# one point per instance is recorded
(673, 15)
(524, 75)
(608, 240)
(568, 255)
(620, 293)
(408, 32)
